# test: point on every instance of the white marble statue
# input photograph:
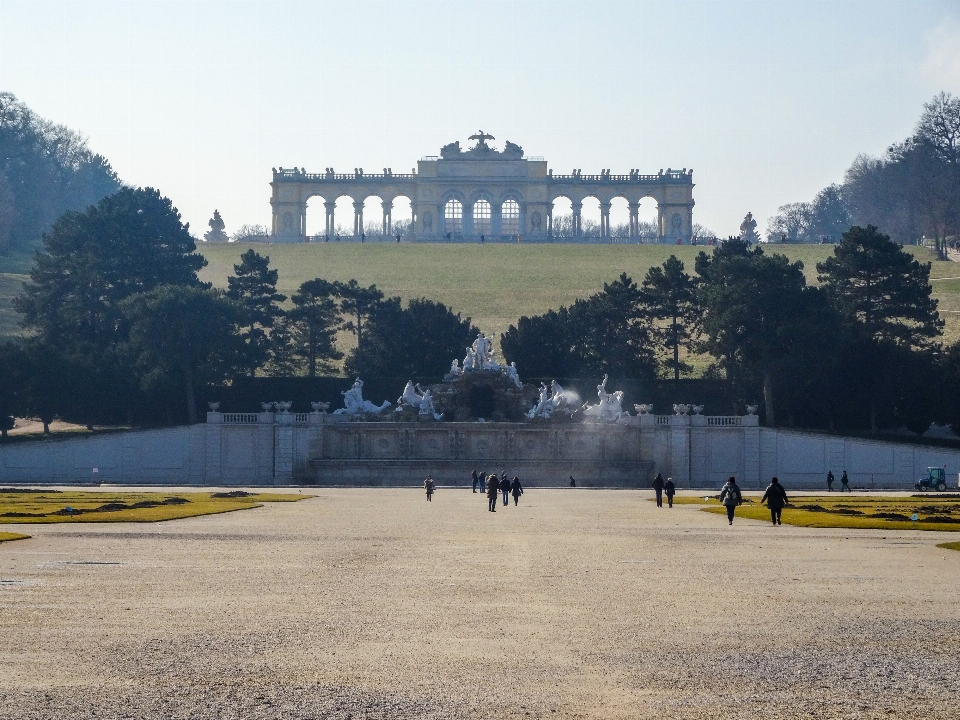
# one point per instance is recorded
(483, 351)
(470, 360)
(412, 396)
(455, 368)
(563, 400)
(610, 408)
(426, 405)
(354, 404)
(544, 407)
(512, 375)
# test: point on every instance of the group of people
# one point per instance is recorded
(844, 481)
(661, 487)
(494, 486)
(775, 497)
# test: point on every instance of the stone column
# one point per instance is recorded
(523, 220)
(604, 219)
(283, 455)
(634, 219)
(357, 218)
(387, 217)
(466, 220)
(496, 219)
(680, 448)
(441, 222)
(331, 208)
(550, 220)
(660, 223)
(576, 207)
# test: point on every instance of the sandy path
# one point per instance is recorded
(578, 604)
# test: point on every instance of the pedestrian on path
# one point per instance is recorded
(657, 486)
(517, 489)
(475, 478)
(505, 487)
(845, 482)
(775, 497)
(573, 483)
(730, 497)
(670, 489)
(429, 486)
(492, 487)
(483, 481)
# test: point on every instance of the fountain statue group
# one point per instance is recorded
(552, 399)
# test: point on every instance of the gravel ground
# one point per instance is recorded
(372, 603)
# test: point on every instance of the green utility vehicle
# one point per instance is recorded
(936, 480)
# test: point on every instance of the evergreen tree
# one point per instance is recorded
(356, 304)
(541, 344)
(311, 326)
(254, 287)
(669, 296)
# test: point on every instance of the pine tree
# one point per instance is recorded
(254, 287)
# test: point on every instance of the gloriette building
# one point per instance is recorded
(466, 194)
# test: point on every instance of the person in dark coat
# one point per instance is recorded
(845, 482)
(483, 481)
(775, 497)
(476, 479)
(517, 489)
(829, 480)
(505, 487)
(730, 497)
(670, 489)
(492, 487)
(573, 483)
(658, 489)
(429, 486)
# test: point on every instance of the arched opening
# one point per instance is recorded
(372, 218)
(316, 219)
(481, 217)
(453, 217)
(343, 219)
(562, 225)
(647, 221)
(590, 219)
(510, 217)
(401, 217)
(619, 220)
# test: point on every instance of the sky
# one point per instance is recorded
(768, 101)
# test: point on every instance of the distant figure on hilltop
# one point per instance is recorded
(216, 233)
(748, 230)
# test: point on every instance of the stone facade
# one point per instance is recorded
(465, 194)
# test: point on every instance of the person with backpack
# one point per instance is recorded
(670, 489)
(429, 486)
(845, 482)
(657, 486)
(775, 497)
(730, 497)
(517, 489)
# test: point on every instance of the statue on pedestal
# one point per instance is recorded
(354, 404)
(610, 408)
(512, 375)
(426, 406)
(216, 233)
(748, 230)
(412, 397)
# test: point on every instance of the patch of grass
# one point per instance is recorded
(32, 506)
(950, 546)
(8, 536)
(875, 512)
(11, 285)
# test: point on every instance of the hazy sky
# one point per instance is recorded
(767, 101)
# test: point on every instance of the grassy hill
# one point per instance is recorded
(494, 284)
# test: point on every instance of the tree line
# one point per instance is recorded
(911, 192)
(858, 351)
(122, 329)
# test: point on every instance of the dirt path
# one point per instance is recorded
(577, 604)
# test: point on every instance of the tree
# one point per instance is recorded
(541, 344)
(45, 170)
(829, 215)
(791, 224)
(356, 304)
(311, 326)
(12, 388)
(186, 336)
(669, 294)
(129, 243)
(418, 341)
(254, 287)
(755, 311)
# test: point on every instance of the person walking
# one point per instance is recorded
(573, 483)
(775, 497)
(830, 480)
(429, 486)
(670, 489)
(845, 482)
(483, 481)
(517, 489)
(657, 486)
(492, 493)
(730, 497)
(475, 478)
(505, 487)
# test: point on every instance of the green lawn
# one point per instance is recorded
(7, 537)
(494, 283)
(856, 512)
(50, 506)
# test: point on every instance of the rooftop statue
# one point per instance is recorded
(748, 230)
(354, 404)
(481, 138)
(216, 233)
